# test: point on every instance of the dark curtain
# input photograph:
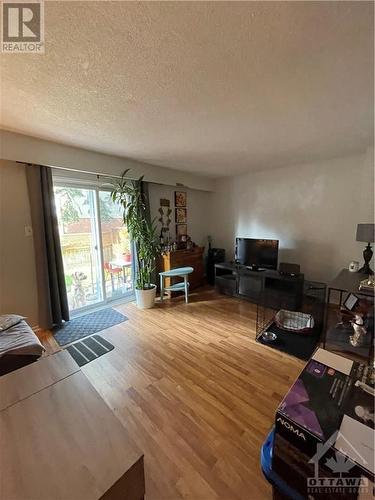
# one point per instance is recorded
(52, 297)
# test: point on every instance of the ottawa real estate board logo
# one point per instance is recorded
(22, 27)
(340, 481)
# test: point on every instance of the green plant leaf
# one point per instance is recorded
(142, 232)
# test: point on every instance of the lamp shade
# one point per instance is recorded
(365, 232)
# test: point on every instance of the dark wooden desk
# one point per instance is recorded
(346, 282)
(183, 258)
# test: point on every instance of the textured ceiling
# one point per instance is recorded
(210, 87)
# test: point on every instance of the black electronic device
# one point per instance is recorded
(214, 256)
(289, 269)
(256, 253)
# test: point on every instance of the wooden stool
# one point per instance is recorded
(182, 272)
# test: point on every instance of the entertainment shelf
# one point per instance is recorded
(239, 281)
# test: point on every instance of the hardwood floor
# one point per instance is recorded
(196, 392)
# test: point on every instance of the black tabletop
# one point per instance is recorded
(349, 282)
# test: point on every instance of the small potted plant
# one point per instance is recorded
(142, 232)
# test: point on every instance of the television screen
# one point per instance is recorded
(257, 253)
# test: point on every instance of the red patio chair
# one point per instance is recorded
(113, 271)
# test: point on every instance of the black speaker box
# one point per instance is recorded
(214, 256)
(289, 269)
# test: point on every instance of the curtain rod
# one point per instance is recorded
(178, 184)
(97, 174)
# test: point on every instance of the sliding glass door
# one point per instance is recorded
(96, 249)
(117, 249)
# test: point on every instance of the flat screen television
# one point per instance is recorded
(258, 254)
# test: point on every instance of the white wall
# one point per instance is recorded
(18, 291)
(18, 147)
(198, 209)
(312, 209)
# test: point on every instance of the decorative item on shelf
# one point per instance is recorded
(365, 233)
(169, 247)
(181, 230)
(209, 239)
(356, 314)
(354, 266)
(359, 330)
(165, 220)
(189, 243)
(180, 198)
(181, 215)
(182, 241)
(362, 322)
(368, 284)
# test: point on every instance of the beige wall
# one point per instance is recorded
(18, 292)
(313, 209)
(18, 288)
(18, 147)
(198, 208)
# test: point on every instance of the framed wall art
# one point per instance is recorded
(180, 198)
(181, 230)
(181, 216)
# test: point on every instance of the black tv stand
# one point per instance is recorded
(255, 269)
(240, 281)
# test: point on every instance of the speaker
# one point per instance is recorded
(289, 269)
(214, 256)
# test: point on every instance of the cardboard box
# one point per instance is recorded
(324, 427)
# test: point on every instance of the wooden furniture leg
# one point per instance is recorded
(161, 287)
(186, 289)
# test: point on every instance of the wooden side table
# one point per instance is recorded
(180, 272)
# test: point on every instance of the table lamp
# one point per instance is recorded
(365, 233)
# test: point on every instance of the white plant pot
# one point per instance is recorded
(145, 298)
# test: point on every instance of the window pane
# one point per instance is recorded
(75, 209)
(117, 252)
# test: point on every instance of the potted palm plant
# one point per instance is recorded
(142, 232)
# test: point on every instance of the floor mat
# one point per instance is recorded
(91, 323)
(297, 344)
(89, 349)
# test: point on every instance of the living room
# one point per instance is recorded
(187, 214)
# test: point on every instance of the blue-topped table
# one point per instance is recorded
(179, 272)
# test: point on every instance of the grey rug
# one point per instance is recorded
(89, 349)
(91, 323)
